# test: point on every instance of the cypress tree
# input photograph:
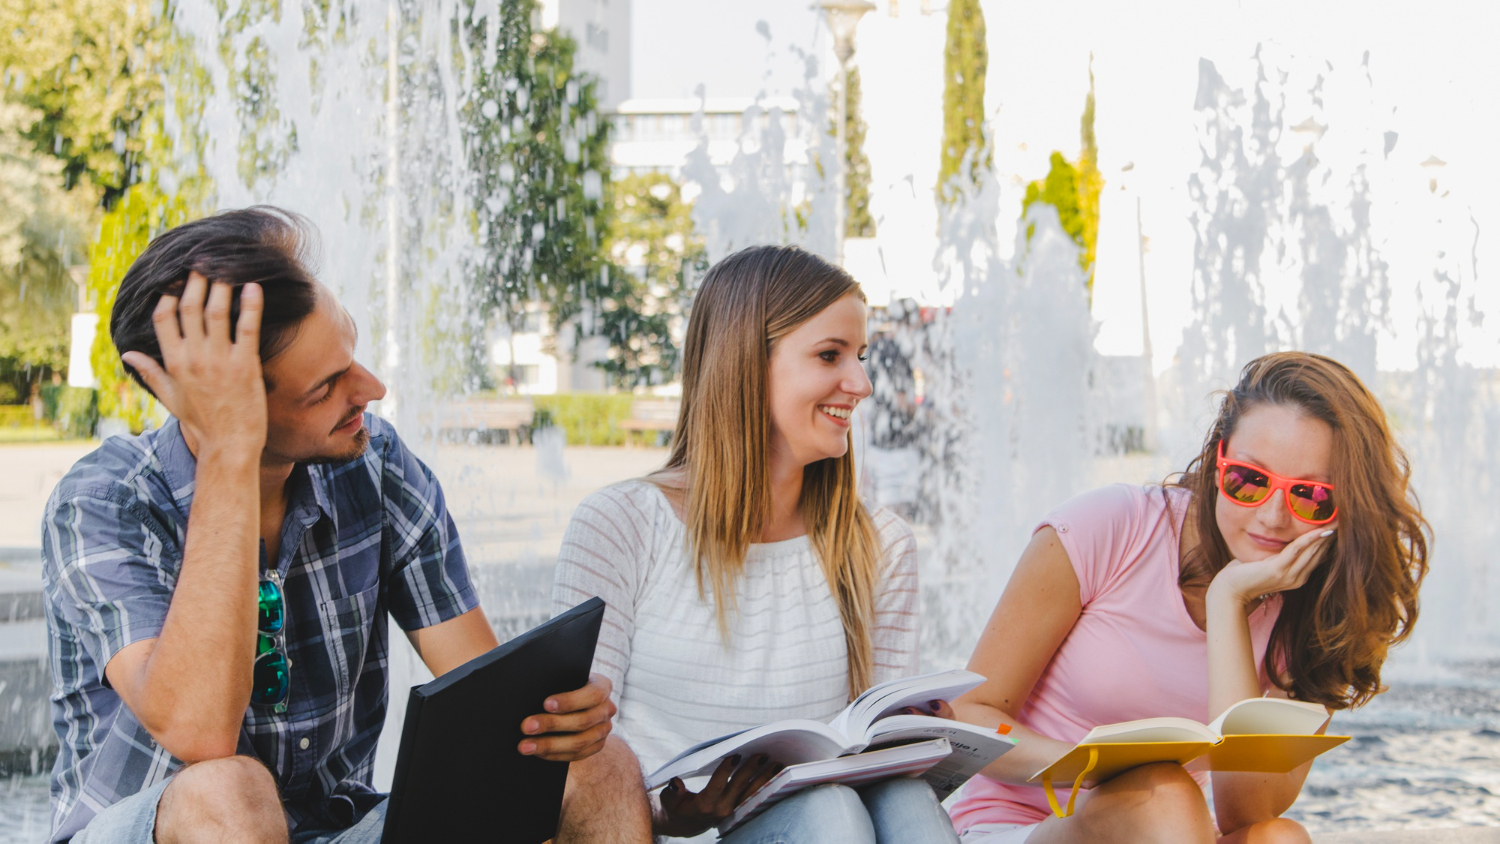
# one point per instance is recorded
(857, 219)
(965, 61)
(1074, 188)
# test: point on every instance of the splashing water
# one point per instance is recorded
(1291, 251)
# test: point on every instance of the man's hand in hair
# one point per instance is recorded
(212, 384)
(190, 685)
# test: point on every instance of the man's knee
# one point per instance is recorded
(233, 793)
(612, 772)
(605, 799)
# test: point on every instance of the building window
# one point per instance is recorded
(597, 37)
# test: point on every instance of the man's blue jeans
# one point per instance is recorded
(898, 811)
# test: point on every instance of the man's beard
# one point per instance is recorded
(355, 448)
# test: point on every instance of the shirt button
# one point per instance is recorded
(304, 743)
(1062, 528)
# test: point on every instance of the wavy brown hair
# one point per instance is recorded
(1334, 632)
(746, 303)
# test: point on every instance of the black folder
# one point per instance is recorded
(459, 776)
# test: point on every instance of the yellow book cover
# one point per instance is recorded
(1265, 735)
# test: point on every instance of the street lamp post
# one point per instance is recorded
(843, 16)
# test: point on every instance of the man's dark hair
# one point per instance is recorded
(265, 245)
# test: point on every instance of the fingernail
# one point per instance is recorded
(934, 705)
(671, 786)
(1326, 533)
(735, 759)
(550, 705)
(529, 727)
(761, 760)
(528, 747)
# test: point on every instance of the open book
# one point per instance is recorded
(858, 743)
(1265, 735)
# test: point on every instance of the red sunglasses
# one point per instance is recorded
(1249, 486)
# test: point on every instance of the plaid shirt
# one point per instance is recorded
(361, 539)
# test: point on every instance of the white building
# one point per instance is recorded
(602, 30)
(546, 361)
(656, 135)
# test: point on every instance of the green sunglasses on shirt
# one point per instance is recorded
(272, 678)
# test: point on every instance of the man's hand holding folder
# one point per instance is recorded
(575, 725)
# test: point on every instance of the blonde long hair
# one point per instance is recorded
(746, 303)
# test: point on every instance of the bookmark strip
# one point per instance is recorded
(1077, 784)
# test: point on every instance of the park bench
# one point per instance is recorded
(653, 415)
(487, 420)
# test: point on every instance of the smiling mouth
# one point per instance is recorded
(347, 422)
(840, 413)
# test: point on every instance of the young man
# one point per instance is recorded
(217, 589)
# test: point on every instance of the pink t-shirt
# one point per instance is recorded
(1134, 651)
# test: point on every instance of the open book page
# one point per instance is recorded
(1271, 716)
(1269, 735)
(974, 747)
(1266, 735)
(890, 697)
(787, 742)
(796, 741)
(853, 771)
(1150, 729)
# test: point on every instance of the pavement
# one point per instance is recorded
(1451, 835)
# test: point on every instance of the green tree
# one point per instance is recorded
(651, 238)
(538, 145)
(858, 221)
(93, 72)
(92, 69)
(965, 62)
(1073, 188)
(139, 214)
(43, 229)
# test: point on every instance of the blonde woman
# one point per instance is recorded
(745, 581)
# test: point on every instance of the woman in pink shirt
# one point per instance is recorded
(1284, 561)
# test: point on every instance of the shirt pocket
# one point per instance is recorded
(348, 624)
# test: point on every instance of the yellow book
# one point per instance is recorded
(1264, 735)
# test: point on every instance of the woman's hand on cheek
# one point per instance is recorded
(684, 813)
(1284, 571)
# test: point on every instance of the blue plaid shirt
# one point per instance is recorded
(361, 539)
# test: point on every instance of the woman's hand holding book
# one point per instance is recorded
(684, 813)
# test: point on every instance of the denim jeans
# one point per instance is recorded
(898, 811)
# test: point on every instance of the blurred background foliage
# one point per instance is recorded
(651, 231)
(965, 152)
(1073, 188)
(89, 174)
(603, 259)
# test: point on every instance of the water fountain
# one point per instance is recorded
(306, 112)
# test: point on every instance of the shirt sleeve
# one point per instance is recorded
(898, 601)
(605, 552)
(109, 568)
(1098, 530)
(429, 580)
